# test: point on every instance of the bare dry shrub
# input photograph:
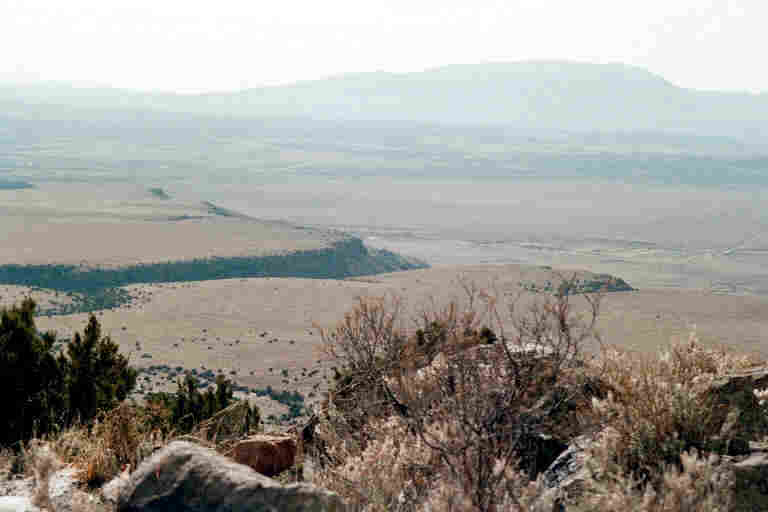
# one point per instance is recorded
(367, 345)
(435, 401)
(226, 426)
(398, 471)
(391, 473)
(699, 483)
(518, 494)
(658, 408)
(118, 438)
(499, 399)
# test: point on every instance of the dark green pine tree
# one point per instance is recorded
(180, 413)
(223, 393)
(30, 377)
(209, 403)
(98, 376)
(189, 407)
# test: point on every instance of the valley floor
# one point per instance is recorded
(265, 331)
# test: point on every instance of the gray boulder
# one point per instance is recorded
(736, 409)
(565, 480)
(185, 477)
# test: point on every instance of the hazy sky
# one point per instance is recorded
(202, 45)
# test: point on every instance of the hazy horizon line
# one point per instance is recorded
(27, 78)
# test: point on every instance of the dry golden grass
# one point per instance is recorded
(118, 438)
(700, 484)
(122, 438)
(658, 411)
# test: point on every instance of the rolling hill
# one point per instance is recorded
(537, 96)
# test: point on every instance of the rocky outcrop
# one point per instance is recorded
(564, 481)
(739, 420)
(268, 455)
(737, 413)
(567, 480)
(190, 478)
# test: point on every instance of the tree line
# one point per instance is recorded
(99, 288)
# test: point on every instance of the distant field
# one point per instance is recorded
(264, 332)
(111, 225)
(115, 147)
(77, 245)
(87, 243)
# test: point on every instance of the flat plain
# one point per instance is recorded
(265, 331)
(118, 225)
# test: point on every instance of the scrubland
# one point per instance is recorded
(462, 401)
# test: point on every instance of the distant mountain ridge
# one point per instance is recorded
(540, 95)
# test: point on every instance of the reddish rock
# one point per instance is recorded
(268, 455)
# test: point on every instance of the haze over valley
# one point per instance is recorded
(133, 204)
(606, 167)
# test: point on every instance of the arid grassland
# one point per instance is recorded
(264, 331)
(120, 225)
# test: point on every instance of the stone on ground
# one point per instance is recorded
(268, 455)
(190, 478)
